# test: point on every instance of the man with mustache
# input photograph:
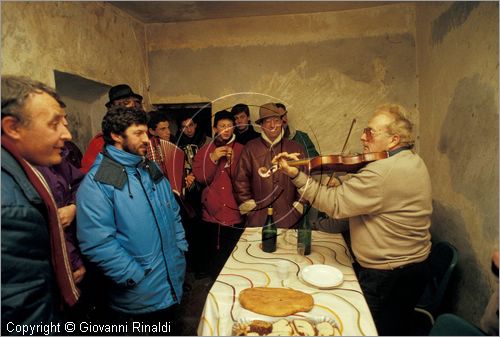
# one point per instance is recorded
(129, 225)
(119, 95)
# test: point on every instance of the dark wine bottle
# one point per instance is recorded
(304, 235)
(269, 233)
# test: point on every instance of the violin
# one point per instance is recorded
(330, 163)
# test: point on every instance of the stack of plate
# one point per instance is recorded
(322, 276)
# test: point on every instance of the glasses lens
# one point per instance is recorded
(368, 133)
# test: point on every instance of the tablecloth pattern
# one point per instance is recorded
(248, 266)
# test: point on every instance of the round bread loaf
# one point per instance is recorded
(276, 302)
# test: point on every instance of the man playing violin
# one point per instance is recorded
(389, 205)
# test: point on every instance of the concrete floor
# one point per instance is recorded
(193, 302)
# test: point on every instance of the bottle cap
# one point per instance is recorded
(269, 211)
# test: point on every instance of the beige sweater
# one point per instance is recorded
(388, 203)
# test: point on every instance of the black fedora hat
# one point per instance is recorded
(121, 91)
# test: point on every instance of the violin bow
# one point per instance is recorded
(343, 148)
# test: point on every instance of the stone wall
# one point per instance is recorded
(457, 53)
(92, 40)
(439, 59)
(327, 68)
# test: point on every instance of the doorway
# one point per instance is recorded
(85, 108)
(201, 113)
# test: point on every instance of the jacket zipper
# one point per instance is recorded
(172, 291)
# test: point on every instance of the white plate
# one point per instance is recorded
(322, 276)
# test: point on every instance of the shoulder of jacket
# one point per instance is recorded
(14, 175)
(110, 172)
(292, 143)
(302, 134)
(206, 147)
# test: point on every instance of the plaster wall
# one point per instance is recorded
(457, 53)
(327, 68)
(92, 40)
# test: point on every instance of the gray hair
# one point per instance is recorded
(15, 92)
(401, 124)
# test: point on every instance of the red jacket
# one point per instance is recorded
(219, 204)
(95, 146)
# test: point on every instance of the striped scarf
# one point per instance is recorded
(59, 255)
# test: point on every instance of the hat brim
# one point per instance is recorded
(260, 120)
(124, 96)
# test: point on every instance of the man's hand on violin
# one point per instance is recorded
(282, 158)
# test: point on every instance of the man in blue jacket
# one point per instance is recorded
(129, 227)
(36, 278)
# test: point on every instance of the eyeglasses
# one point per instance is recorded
(224, 126)
(370, 133)
(272, 120)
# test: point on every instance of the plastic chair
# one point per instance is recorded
(452, 325)
(443, 259)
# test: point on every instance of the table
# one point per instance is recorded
(248, 266)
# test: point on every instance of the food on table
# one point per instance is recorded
(284, 327)
(303, 327)
(326, 329)
(276, 302)
(261, 327)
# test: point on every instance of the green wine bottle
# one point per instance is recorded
(269, 233)
(304, 235)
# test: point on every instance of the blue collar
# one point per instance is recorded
(399, 149)
(122, 157)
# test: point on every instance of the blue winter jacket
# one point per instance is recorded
(129, 226)
(30, 294)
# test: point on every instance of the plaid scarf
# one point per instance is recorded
(59, 255)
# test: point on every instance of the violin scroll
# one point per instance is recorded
(265, 172)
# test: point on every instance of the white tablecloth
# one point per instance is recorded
(248, 266)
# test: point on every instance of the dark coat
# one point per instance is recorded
(29, 290)
(63, 180)
(277, 191)
(247, 135)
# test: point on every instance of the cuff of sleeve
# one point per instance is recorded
(299, 207)
(214, 162)
(247, 206)
(300, 180)
(182, 245)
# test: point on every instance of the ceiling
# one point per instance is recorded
(177, 11)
